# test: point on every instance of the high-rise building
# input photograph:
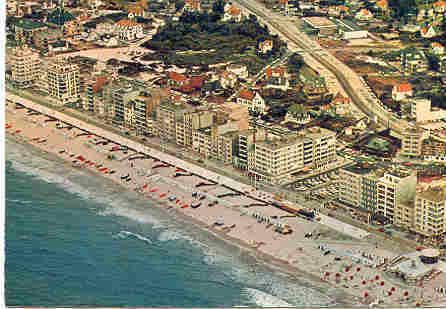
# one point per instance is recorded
(430, 215)
(25, 66)
(63, 80)
(412, 141)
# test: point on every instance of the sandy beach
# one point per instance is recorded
(229, 215)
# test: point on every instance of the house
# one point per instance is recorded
(176, 80)
(232, 13)
(413, 60)
(129, 29)
(440, 6)
(402, 91)
(364, 15)
(429, 31)
(297, 113)
(136, 11)
(251, 99)
(265, 46)
(382, 6)
(238, 69)
(228, 80)
(277, 78)
(192, 5)
(437, 48)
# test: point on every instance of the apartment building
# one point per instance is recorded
(193, 120)
(319, 147)
(168, 114)
(217, 141)
(245, 147)
(276, 158)
(25, 66)
(351, 184)
(395, 187)
(121, 94)
(430, 212)
(405, 214)
(63, 80)
(412, 141)
(434, 150)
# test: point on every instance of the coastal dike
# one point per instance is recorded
(223, 180)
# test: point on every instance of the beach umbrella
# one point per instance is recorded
(351, 277)
(364, 282)
(389, 293)
(327, 274)
(338, 275)
(358, 269)
(393, 289)
(406, 293)
(366, 294)
(371, 281)
(347, 269)
(377, 277)
(382, 283)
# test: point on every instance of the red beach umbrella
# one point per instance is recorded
(371, 281)
(393, 289)
(389, 293)
(338, 275)
(377, 277)
(327, 274)
(382, 283)
(351, 277)
(18, 131)
(347, 269)
(177, 201)
(364, 282)
(406, 293)
(358, 269)
(366, 294)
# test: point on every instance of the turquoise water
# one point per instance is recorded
(73, 239)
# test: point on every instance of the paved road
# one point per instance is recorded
(348, 79)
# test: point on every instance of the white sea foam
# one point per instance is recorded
(18, 201)
(126, 234)
(263, 299)
(169, 235)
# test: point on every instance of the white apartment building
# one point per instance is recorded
(278, 157)
(25, 66)
(63, 80)
(430, 215)
(394, 187)
(423, 112)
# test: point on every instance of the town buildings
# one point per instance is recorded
(63, 80)
(25, 66)
(430, 214)
(412, 141)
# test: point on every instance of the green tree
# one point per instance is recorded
(295, 62)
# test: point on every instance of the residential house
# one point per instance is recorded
(401, 91)
(382, 6)
(176, 80)
(227, 80)
(232, 13)
(240, 70)
(251, 99)
(192, 5)
(437, 49)
(414, 61)
(277, 78)
(265, 46)
(129, 29)
(364, 15)
(440, 6)
(297, 113)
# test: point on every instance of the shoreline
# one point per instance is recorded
(292, 263)
(270, 262)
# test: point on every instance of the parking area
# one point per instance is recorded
(314, 182)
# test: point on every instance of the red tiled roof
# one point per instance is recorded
(127, 23)
(99, 83)
(177, 77)
(196, 82)
(235, 11)
(271, 71)
(440, 3)
(404, 87)
(246, 94)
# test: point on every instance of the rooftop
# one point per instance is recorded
(29, 24)
(360, 168)
(435, 194)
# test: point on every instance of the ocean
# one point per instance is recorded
(75, 239)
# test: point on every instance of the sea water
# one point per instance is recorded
(76, 239)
